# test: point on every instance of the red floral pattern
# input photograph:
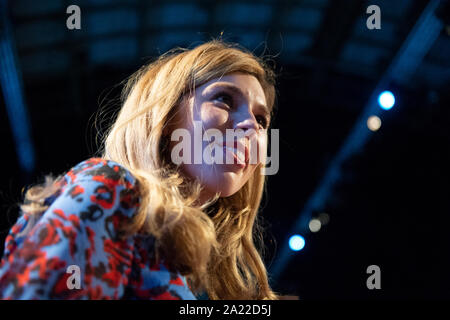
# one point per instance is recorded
(81, 227)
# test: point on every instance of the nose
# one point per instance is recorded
(247, 122)
(249, 126)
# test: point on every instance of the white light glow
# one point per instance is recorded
(373, 123)
(386, 100)
(315, 225)
(296, 242)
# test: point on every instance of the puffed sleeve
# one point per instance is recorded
(75, 250)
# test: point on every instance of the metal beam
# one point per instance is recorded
(11, 83)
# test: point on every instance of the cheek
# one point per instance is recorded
(250, 172)
(258, 149)
(212, 117)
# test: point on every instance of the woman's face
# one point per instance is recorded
(227, 104)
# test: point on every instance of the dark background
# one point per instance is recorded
(390, 204)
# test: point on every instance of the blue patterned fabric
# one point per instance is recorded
(81, 228)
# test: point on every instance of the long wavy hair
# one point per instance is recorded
(217, 245)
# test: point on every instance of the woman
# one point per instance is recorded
(133, 224)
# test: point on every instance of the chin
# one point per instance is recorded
(224, 188)
(228, 192)
(217, 180)
(229, 184)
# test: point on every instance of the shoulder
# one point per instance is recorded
(102, 170)
(98, 177)
(101, 193)
(104, 183)
(98, 196)
(83, 226)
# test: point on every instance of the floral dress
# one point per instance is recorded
(74, 249)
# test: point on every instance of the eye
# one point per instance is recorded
(224, 98)
(262, 120)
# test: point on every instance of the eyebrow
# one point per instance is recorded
(238, 91)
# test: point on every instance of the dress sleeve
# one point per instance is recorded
(75, 250)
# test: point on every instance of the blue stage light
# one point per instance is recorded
(386, 100)
(296, 242)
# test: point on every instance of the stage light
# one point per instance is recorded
(374, 123)
(315, 225)
(386, 100)
(296, 242)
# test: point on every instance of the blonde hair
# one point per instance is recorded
(212, 244)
